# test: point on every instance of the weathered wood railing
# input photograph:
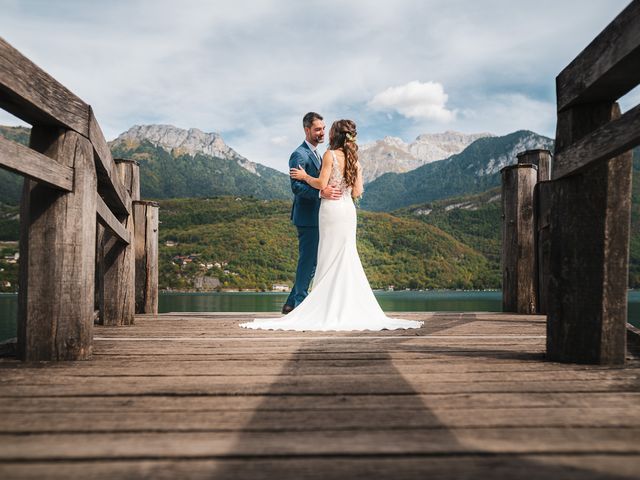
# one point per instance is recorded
(76, 200)
(583, 213)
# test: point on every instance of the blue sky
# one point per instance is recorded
(250, 69)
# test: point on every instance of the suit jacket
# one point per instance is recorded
(306, 200)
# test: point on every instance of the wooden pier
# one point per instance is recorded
(469, 395)
(194, 396)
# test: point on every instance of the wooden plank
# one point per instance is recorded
(329, 405)
(611, 139)
(379, 467)
(309, 385)
(608, 67)
(316, 420)
(108, 220)
(336, 443)
(57, 255)
(110, 186)
(35, 166)
(234, 367)
(199, 405)
(289, 374)
(31, 94)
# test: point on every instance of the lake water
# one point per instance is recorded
(404, 301)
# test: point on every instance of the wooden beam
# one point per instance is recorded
(33, 95)
(608, 141)
(608, 67)
(110, 222)
(34, 165)
(110, 187)
(29, 93)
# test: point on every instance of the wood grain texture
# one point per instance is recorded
(57, 266)
(146, 255)
(470, 396)
(35, 166)
(31, 94)
(542, 201)
(518, 244)
(119, 280)
(541, 159)
(609, 140)
(118, 305)
(129, 171)
(384, 467)
(110, 186)
(608, 67)
(109, 221)
(589, 247)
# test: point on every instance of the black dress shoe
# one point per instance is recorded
(286, 308)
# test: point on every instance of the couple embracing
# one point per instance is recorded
(325, 217)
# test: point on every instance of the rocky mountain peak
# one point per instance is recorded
(392, 154)
(178, 141)
(191, 141)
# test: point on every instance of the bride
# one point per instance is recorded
(341, 298)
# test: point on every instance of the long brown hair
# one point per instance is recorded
(343, 136)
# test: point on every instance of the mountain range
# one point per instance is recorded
(392, 154)
(178, 163)
(395, 248)
(475, 169)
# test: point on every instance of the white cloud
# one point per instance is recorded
(415, 100)
(280, 141)
(508, 112)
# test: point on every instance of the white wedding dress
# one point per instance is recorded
(341, 298)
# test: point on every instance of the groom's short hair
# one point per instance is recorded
(308, 119)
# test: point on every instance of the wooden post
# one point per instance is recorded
(542, 199)
(57, 254)
(99, 280)
(539, 158)
(129, 172)
(146, 253)
(518, 252)
(589, 231)
(117, 306)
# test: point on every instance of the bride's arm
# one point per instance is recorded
(325, 172)
(358, 188)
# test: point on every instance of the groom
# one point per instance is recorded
(306, 204)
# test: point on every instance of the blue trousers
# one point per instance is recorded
(308, 238)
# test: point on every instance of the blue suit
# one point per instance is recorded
(304, 214)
